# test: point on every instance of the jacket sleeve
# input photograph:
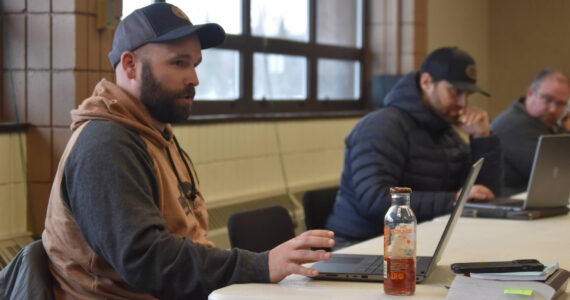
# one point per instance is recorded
(519, 147)
(491, 174)
(110, 188)
(378, 150)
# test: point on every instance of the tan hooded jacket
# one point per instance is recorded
(78, 270)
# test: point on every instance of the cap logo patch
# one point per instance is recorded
(471, 72)
(179, 13)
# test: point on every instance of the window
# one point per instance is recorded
(280, 19)
(279, 77)
(208, 11)
(131, 5)
(338, 79)
(222, 84)
(280, 56)
(339, 23)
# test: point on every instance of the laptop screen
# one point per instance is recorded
(465, 190)
(550, 174)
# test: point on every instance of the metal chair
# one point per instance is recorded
(260, 229)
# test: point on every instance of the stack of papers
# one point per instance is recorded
(468, 288)
(549, 268)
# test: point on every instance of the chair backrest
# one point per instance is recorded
(27, 276)
(260, 229)
(318, 205)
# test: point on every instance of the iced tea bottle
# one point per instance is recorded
(400, 244)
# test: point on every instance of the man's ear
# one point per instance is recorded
(529, 92)
(425, 82)
(128, 64)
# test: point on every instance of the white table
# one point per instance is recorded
(472, 240)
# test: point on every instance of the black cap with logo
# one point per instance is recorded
(160, 22)
(454, 66)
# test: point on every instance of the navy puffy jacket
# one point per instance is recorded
(405, 144)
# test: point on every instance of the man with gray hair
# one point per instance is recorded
(540, 112)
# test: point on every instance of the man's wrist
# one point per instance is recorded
(482, 134)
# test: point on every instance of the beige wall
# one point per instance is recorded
(511, 40)
(252, 160)
(465, 24)
(526, 36)
(13, 204)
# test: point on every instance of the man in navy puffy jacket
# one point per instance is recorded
(412, 142)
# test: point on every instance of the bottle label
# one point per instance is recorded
(402, 243)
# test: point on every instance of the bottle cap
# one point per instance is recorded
(400, 190)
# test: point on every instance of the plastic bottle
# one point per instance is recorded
(400, 244)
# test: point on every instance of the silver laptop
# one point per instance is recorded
(360, 267)
(548, 188)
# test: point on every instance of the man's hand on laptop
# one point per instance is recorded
(288, 257)
(478, 193)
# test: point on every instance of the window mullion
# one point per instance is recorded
(246, 58)
(365, 60)
(311, 57)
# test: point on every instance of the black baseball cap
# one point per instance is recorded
(160, 22)
(454, 66)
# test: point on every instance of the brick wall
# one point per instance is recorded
(57, 55)
(398, 35)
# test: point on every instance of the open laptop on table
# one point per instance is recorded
(548, 188)
(361, 267)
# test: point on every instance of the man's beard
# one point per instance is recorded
(434, 105)
(160, 102)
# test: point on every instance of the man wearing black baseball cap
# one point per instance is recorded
(126, 218)
(412, 142)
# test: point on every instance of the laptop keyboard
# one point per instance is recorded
(372, 267)
(500, 201)
(509, 202)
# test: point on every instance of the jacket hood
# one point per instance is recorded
(406, 95)
(110, 102)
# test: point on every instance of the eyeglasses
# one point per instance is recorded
(548, 100)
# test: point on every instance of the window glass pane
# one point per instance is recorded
(338, 79)
(280, 19)
(339, 22)
(131, 5)
(218, 75)
(227, 13)
(277, 77)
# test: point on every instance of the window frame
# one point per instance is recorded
(247, 44)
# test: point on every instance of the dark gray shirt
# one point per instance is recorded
(519, 133)
(111, 189)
